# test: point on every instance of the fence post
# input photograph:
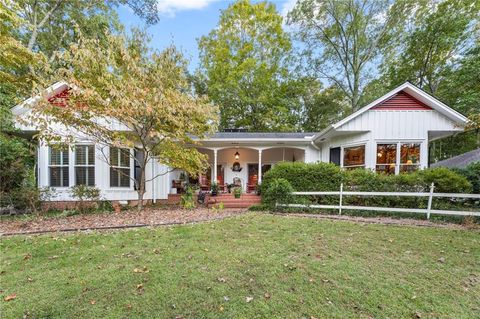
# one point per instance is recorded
(341, 196)
(430, 198)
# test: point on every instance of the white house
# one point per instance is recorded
(389, 135)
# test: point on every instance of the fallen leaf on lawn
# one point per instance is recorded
(156, 251)
(205, 249)
(92, 302)
(27, 256)
(226, 298)
(221, 308)
(248, 299)
(221, 279)
(418, 314)
(139, 286)
(29, 279)
(53, 257)
(129, 306)
(312, 317)
(10, 297)
(311, 280)
(441, 260)
(266, 295)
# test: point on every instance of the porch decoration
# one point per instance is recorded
(214, 189)
(237, 155)
(237, 192)
(236, 167)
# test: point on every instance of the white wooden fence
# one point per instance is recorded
(427, 211)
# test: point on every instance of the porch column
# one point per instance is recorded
(259, 167)
(214, 170)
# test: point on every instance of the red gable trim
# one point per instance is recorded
(60, 99)
(401, 101)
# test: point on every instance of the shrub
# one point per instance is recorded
(445, 180)
(85, 193)
(472, 174)
(306, 176)
(279, 191)
(186, 200)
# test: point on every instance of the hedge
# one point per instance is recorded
(328, 177)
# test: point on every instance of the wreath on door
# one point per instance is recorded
(236, 167)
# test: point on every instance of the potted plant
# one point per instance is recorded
(237, 192)
(214, 188)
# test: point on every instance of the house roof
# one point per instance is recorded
(410, 89)
(460, 161)
(256, 135)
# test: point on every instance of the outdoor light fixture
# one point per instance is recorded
(237, 155)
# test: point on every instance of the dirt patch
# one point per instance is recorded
(132, 218)
(380, 220)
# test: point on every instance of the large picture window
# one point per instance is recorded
(85, 165)
(409, 157)
(119, 167)
(354, 157)
(58, 167)
(386, 158)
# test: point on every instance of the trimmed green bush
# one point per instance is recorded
(472, 173)
(279, 191)
(328, 177)
(306, 177)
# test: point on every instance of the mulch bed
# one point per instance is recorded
(124, 219)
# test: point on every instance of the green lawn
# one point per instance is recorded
(292, 267)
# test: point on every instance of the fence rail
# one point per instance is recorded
(428, 211)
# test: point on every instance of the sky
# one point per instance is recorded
(182, 22)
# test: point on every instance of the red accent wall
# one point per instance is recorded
(401, 101)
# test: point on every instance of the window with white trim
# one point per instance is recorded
(354, 157)
(386, 158)
(119, 167)
(409, 157)
(85, 165)
(58, 167)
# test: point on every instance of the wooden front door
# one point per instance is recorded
(252, 177)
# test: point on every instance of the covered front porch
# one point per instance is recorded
(238, 166)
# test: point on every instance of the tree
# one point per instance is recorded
(127, 96)
(55, 20)
(343, 39)
(244, 68)
(439, 35)
(321, 107)
(15, 153)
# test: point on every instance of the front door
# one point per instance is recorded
(252, 177)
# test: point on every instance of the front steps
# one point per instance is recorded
(228, 200)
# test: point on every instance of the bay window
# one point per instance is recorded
(119, 167)
(85, 165)
(354, 157)
(59, 167)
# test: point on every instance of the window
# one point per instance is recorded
(119, 167)
(335, 155)
(58, 167)
(409, 157)
(354, 157)
(85, 165)
(386, 158)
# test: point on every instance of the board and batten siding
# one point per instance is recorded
(389, 125)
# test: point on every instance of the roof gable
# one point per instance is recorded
(415, 93)
(401, 101)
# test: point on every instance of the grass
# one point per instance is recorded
(292, 267)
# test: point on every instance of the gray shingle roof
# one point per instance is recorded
(233, 135)
(460, 161)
